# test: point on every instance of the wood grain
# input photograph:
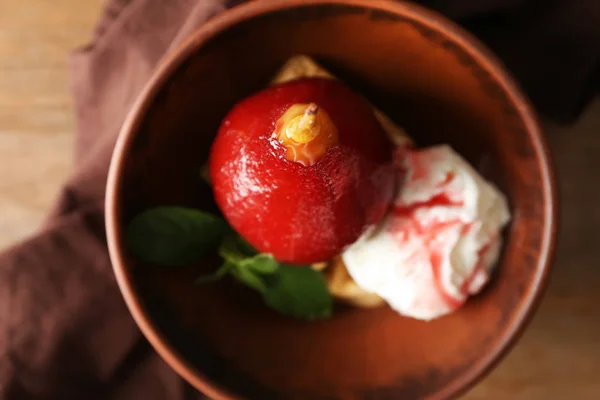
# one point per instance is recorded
(557, 358)
(36, 121)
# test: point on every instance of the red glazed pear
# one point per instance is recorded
(301, 169)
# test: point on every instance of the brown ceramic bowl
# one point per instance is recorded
(430, 77)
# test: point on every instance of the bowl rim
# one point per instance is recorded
(422, 15)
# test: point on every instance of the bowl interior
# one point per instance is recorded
(425, 78)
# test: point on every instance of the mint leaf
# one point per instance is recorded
(262, 263)
(172, 236)
(237, 251)
(230, 250)
(245, 247)
(217, 275)
(299, 292)
(249, 278)
(232, 253)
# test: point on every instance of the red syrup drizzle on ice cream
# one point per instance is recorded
(407, 225)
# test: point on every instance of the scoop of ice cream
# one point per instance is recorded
(440, 240)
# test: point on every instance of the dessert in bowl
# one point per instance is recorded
(448, 172)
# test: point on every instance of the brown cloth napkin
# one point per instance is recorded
(65, 332)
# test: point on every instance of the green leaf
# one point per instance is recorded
(246, 268)
(249, 278)
(217, 275)
(299, 292)
(230, 251)
(237, 251)
(172, 236)
(261, 263)
(245, 247)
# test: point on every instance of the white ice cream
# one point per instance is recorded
(439, 242)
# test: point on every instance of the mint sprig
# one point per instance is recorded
(173, 236)
(177, 236)
(299, 292)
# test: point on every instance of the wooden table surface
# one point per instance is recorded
(557, 358)
(36, 120)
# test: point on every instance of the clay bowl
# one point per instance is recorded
(430, 77)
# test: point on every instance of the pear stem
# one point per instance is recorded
(307, 132)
